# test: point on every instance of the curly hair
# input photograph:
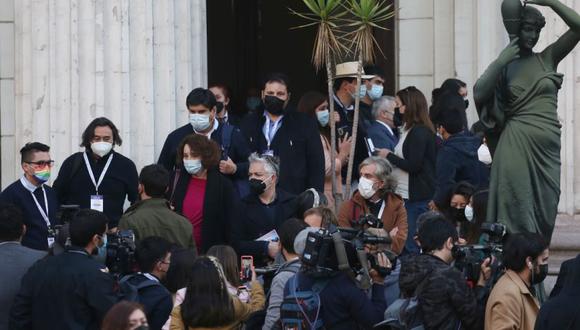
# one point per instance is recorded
(202, 147)
(533, 16)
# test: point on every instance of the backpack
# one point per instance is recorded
(300, 309)
(130, 291)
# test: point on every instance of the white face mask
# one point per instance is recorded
(469, 213)
(365, 188)
(199, 122)
(101, 148)
(483, 154)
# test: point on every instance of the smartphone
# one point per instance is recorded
(246, 268)
(370, 147)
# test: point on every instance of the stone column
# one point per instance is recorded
(131, 61)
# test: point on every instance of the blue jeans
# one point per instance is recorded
(414, 210)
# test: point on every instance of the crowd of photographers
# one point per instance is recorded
(238, 225)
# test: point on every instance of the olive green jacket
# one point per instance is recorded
(153, 217)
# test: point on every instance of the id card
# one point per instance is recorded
(50, 241)
(97, 203)
(268, 152)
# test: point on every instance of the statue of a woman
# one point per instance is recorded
(516, 99)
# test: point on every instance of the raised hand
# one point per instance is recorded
(510, 53)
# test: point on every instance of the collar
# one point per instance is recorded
(337, 100)
(524, 289)
(28, 185)
(151, 277)
(387, 126)
(216, 124)
(149, 203)
(265, 114)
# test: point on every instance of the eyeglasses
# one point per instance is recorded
(41, 163)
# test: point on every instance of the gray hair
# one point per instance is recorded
(382, 104)
(383, 172)
(271, 163)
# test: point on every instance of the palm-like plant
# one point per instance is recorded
(327, 15)
(366, 15)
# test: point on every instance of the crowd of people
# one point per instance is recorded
(257, 187)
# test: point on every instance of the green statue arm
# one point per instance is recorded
(564, 45)
(485, 86)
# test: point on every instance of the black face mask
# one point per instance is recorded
(257, 186)
(397, 118)
(274, 105)
(466, 103)
(219, 107)
(540, 276)
(143, 327)
(458, 214)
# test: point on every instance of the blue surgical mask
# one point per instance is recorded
(376, 92)
(199, 122)
(192, 166)
(362, 91)
(323, 117)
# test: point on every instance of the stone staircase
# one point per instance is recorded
(565, 245)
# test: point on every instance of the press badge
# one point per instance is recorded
(50, 238)
(97, 203)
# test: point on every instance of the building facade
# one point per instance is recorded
(64, 63)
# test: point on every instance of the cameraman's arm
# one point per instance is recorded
(345, 213)
(400, 221)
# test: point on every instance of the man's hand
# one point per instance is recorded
(432, 206)
(510, 53)
(383, 153)
(382, 261)
(393, 233)
(228, 166)
(273, 249)
(485, 272)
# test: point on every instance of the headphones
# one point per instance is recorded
(316, 197)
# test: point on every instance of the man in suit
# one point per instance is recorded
(382, 131)
(291, 136)
(16, 259)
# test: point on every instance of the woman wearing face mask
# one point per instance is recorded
(475, 213)
(201, 193)
(125, 315)
(315, 105)
(375, 197)
(513, 302)
(98, 178)
(414, 157)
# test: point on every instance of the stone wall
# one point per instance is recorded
(72, 61)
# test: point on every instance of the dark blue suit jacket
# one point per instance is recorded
(381, 136)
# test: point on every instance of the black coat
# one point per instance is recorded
(419, 152)
(253, 220)
(156, 300)
(297, 143)
(74, 186)
(218, 205)
(239, 151)
(562, 310)
(68, 291)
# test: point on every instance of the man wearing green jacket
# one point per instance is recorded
(151, 216)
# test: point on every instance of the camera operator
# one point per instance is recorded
(70, 290)
(444, 296)
(375, 197)
(512, 303)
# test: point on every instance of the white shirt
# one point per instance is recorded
(401, 176)
(28, 185)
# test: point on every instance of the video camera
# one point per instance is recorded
(468, 258)
(326, 253)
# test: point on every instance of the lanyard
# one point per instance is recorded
(95, 183)
(43, 213)
(381, 210)
(267, 130)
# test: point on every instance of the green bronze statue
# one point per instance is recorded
(516, 99)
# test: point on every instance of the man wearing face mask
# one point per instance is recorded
(98, 178)
(383, 131)
(513, 302)
(70, 290)
(36, 200)
(444, 297)
(203, 108)
(289, 135)
(263, 210)
(375, 197)
(373, 91)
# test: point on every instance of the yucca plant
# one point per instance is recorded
(327, 16)
(365, 16)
